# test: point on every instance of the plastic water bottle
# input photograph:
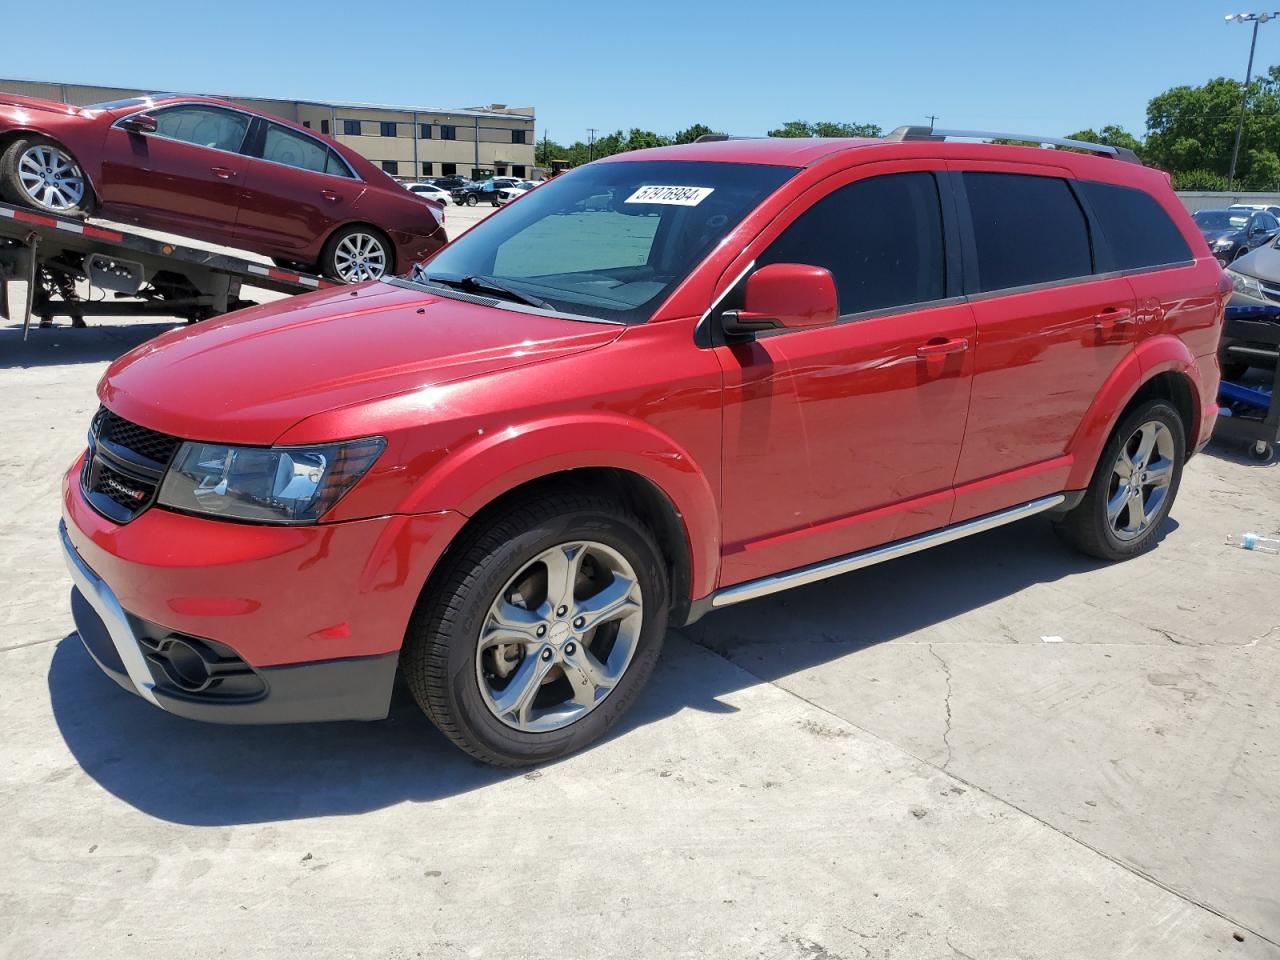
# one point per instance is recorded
(1251, 541)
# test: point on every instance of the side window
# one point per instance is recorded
(1027, 229)
(1269, 222)
(336, 167)
(203, 126)
(283, 145)
(1139, 233)
(881, 238)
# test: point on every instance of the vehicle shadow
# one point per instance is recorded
(61, 345)
(203, 774)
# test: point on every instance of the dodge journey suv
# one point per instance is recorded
(665, 382)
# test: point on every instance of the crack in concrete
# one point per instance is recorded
(946, 733)
(1117, 861)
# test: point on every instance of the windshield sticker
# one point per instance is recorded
(673, 196)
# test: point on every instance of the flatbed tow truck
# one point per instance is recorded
(137, 275)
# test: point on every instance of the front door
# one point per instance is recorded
(185, 177)
(845, 437)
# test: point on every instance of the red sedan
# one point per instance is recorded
(210, 169)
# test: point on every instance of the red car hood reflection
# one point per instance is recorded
(35, 103)
(249, 376)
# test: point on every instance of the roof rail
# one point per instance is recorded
(930, 133)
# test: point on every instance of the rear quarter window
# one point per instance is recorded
(1027, 230)
(1138, 231)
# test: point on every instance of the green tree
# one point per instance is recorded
(1112, 135)
(1199, 180)
(826, 128)
(691, 134)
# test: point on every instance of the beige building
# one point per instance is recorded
(407, 142)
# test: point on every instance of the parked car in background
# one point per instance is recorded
(449, 183)
(518, 189)
(503, 477)
(1255, 281)
(212, 170)
(1271, 208)
(1233, 233)
(431, 192)
(472, 194)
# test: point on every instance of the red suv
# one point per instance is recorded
(211, 169)
(662, 383)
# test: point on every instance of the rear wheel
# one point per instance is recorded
(37, 172)
(357, 253)
(471, 200)
(1133, 487)
(537, 635)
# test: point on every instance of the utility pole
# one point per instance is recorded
(1255, 19)
(933, 118)
(591, 143)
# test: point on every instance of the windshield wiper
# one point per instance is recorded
(476, 282)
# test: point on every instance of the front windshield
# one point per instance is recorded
(1220, 219)
(609, 240)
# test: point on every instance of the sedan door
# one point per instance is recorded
(185, 177)
(843, 437)
(1263, 227)
(296, 190)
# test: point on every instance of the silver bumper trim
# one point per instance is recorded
(103, 600)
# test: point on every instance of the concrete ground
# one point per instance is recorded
(997, 749)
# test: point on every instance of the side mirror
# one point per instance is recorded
(140, 123)
(791, 296)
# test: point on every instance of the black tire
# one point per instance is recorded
(472, 200)
(328, 256)
(439, 655)
(1086, 527)
(12, 190)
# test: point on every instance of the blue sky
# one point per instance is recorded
(661, 65)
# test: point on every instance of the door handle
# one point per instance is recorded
(941, 348)
(226, 173)
(1107, 321)
(330, 195)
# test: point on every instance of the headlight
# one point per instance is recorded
(1222, 243)
(265, 484)
(1243, 283)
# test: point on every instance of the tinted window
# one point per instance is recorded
(448, 169)
(448, 132)
(324, 126)
(351, 128)
(391, 166)
(426, 168)
(1026, 230)
(424, 131)
(517, 136)
(1138, 231)
(387, 129)
(881, 238)
(337, 167)
(283, 145)
(1268, 222)
(202, 126)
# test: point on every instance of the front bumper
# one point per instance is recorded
(134, 653)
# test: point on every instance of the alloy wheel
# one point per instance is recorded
(1140, 480)
(360, 256)
(559, 636)
(50, 177)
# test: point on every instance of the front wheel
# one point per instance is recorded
(37, 172)
(1133, 486)
(537, 635)
(356, 253)
(471, 200)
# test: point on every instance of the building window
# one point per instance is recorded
(387, 129)
(517, 136)
(449, 169)
(448, 132)
(351, 128)
(307, 124)
(426, 168)
(391, 166)
(518, 171)
(424, 131)
(324, 126)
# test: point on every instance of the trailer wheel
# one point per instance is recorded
(41, 173)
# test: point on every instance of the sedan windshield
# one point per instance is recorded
(609, 240)
(1220, 219)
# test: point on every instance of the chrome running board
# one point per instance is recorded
(866, 558)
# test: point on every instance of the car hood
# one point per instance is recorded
(35, 103)
(1263, 264)
(1213, 236)
(249, 376)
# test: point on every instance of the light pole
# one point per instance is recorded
(1255, 18)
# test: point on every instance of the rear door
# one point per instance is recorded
(296, 190)
(1049, 330)
(185, 177)
(844, 437)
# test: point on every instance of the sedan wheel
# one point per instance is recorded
(359, 256)
(42, 174)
